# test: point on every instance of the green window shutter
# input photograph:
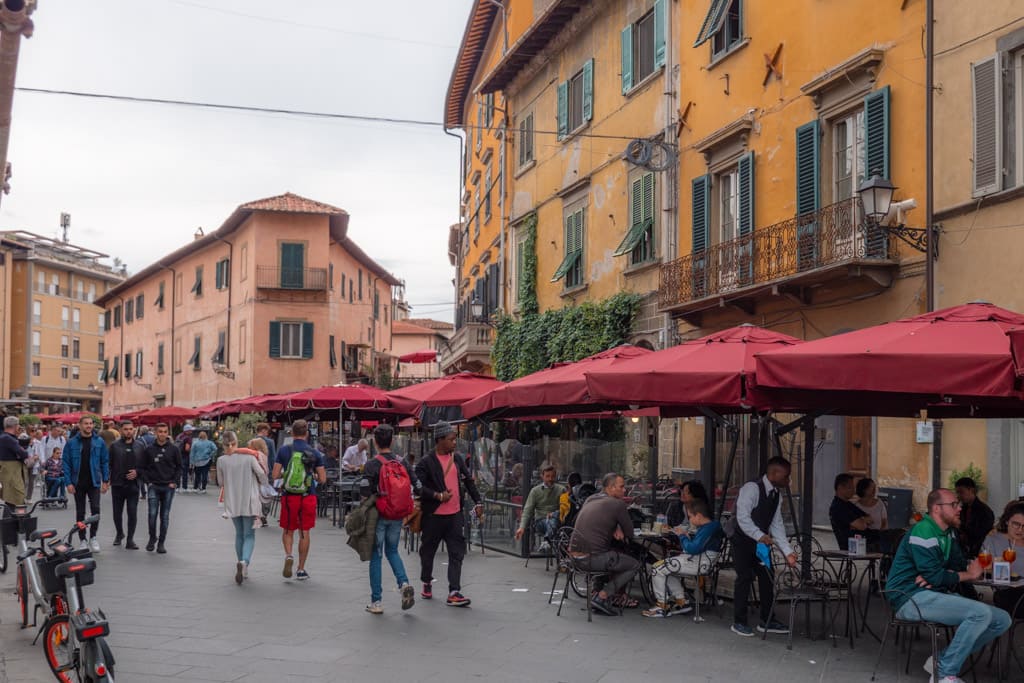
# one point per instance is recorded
(647, 196)
(627, 59)
(578, 227)
(117, 366)
(218, 275)
(333, 353)
(636, 202)
(701, 212)
(563, 109)
(292, 264)
(745, 171)
(713, 21)
(105, 372)
(588, 90)
(876, 133)
(307, 340)
(571, 250)
(808, 163)
(275, 339)
(659, 33)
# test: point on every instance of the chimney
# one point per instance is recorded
(198, 233)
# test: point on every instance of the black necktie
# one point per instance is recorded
(773, 497)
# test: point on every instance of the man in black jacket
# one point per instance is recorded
(976, 518)
(126, 456)
(161, 468)
(444, 480)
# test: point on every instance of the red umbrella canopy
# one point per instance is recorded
(342, 395)
(560, 389)
(451, 390)
(963, 351)
(1017, 348)
(710, 371)
(168, 414)
(425, 356)
(211, 409)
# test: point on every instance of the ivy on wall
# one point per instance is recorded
(528, 277)
(536, 340)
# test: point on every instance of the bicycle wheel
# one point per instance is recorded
(22, 591)
(97, 661)
(59, 648)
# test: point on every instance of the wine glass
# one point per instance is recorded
(985, 559)
(1010, 554)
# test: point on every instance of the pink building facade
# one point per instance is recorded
(277, 299)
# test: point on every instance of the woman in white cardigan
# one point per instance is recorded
(241, 475)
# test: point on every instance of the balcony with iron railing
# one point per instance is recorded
(791, 258)
(298, 279)
(468, 349)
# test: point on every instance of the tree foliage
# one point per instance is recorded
(536, 340)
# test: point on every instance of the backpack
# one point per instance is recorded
(577, 497)
(394, 490)
(297, 479)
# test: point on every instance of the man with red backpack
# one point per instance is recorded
(387, 478)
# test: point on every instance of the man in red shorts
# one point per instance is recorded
(301, 467)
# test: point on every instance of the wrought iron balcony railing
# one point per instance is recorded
(271, 277)
(834, 235)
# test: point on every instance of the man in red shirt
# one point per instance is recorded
(445, 480)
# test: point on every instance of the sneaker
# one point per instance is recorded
(118, 539)
(375, 607)
(94, 544)
(151, 545)
(544, 547)
(161, 549)
(655, 612)
(742, 630)
(239, 572)
(83, 545)
(287, 572)
(773, 626)
(408, 595)
(679, 608)
(130, 545)
(457, 599)
(301, 575)
(603, 606)
(245, 570)
(426, 593)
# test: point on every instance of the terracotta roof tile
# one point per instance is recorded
(431, 323)
(292, 203)
(403, 327)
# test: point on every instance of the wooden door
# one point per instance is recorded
(858, 446)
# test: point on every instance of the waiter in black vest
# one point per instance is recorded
(759, 521)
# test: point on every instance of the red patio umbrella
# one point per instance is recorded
(958, 354)
(560, 389)
(211, 409)
(352, 396)
(444, 392)
(425, 356)
(1016, 336)
(169, 414)
(711, 372)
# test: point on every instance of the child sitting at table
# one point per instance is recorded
(700, 552)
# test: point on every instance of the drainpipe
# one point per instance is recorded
(929, 161)
(670, 189)
(14, 23)
(227, 331)
(501, 208)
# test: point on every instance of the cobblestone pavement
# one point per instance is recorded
(181, 617)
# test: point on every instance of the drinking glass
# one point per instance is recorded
(1010, 555)
(985, 559)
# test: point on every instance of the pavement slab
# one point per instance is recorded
(180, 617)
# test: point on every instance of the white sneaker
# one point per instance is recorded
(94, 544)
(245, 570)
(84, 545)
(375, 607)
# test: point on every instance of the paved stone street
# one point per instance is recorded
(181, 617)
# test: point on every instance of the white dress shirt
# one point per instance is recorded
(747, 500)
(353, 458)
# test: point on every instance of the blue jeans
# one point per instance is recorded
(388, 533)
(977, 625)
(545, 527)
(55, 487)
(160, 497)
(202, 476)
(245, 538)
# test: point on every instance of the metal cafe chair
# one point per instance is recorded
(578, 566)
(901, 625)
(792, 585)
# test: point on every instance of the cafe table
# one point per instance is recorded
(848, 574)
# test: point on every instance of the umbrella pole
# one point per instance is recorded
(807, 496)
(937, 455)
(652, 462)
(707, 465)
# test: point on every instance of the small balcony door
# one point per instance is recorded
(849, 172)
(728, 230)
(293, 262)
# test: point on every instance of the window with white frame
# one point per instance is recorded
(525, 141)
(64, 348)
(291, 340)
(37, 312)
(848, 155)
(37, 341)
(728, 199)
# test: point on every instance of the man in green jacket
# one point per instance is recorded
(542, 505)
(928, 566)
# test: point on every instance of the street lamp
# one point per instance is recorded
(476, 311)
(876, 199)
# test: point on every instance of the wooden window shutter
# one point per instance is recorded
(987, 112)
(275, 339)
(333, 353)
(307, 340)
(876, 133)
(627, 59)
(808, 162)
(659, 33)
(636, 199)
(745, 171)
(588, 90)
(563, 109)
(701, 212)
(647, 197)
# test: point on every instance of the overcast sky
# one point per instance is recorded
(138, 179)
